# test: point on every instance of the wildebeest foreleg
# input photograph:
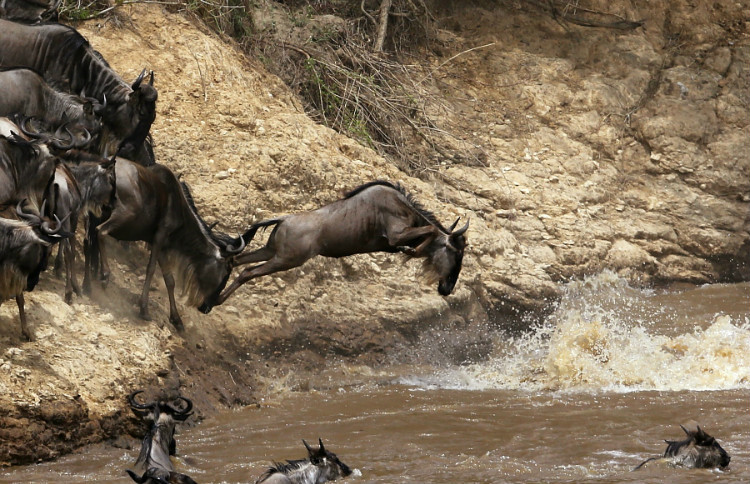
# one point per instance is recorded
(407, 235)
(273, 265)
(22, 315)
(147, 283)
(68, 252)
(258, 255)
(174, 316)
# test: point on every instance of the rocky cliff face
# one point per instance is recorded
(599, 150)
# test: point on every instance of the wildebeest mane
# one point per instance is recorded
(426, 214)
(283, 468)
(71, 50)
(220, 238)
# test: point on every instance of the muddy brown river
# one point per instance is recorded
(584, 397)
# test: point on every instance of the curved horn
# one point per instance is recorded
(322, 449)
(450, 229)
(86, 139)
(50, 231)
(138, 406)
(185, 412)
(138, 80)
(25, 130)
(98, 107)
(461, 230)
(151, 79)
(57, 143)
(31, 217)
(230, 249)
(213, 225)
(309, 450)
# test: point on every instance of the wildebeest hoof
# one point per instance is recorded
(144, 315)
(69, 298)
(407, 250)
(205, 308)
(177, 323)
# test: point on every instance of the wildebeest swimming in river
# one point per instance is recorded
(375, 217)
(698, 450)
(319, 467)
(159, 443)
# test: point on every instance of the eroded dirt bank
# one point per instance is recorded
(626, 151)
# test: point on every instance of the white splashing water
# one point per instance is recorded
(607, 336)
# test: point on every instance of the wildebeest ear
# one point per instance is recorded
(106, 165)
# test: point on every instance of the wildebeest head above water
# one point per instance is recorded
(698, 450)
(320, 466)
(66, 60)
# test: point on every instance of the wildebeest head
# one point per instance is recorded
(330, 466)
(445, 255)
(698, 450)
(97, 182)
(129, 120)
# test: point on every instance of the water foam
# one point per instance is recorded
(607, 335)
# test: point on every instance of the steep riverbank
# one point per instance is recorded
(601, 149)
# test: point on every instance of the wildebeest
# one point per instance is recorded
(29, 10)
(23, 249)
(151, 205)
(68, 63)
(24, 92)
(159, 444)
(84, 187)
(698, 450)
(375, 217)
(25, 166)
(319, 467)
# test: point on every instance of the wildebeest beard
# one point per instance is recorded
(193, 292)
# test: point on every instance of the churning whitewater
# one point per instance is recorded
(605, 335)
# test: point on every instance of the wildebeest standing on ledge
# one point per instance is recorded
(66, 60)
(375, 217)
(151, 205)
(23, 249)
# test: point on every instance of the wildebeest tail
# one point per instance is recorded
(250, 233)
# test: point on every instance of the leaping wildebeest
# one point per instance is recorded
(24, 241)
(151, 205)
(66, 60)
(319, 467)
(375, 217)
(698, 450)
(159, 443)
